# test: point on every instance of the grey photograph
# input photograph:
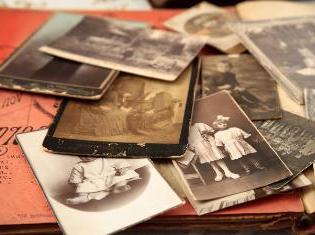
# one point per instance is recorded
(310, 103)
(31, 70)
(226, 153)
(293, 138)
(286, 48)
(246, 80)
(134, 110)
(84, 192)
(144, 52)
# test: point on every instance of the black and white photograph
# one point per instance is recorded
(293, 138)
(226, 154)
(310, 104)
(88, 192)
(285, 47)
(144, 52)
(133, 114)
(209, 22)
(30, 70)
(246, 80)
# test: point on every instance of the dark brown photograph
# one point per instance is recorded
(136, 110)
(33, 71)
(144, 52)
(246, 80)
(226, 154)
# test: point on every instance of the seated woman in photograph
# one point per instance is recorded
(203, 145)
(233, 141)
(96, 178)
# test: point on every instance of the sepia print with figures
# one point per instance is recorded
(226, 154)
(136, 117)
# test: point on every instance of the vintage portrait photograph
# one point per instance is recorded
(145, 52)
(293, 138)
(289, 51)
(31, 70)
(310, 103)
(88, 191)
(134, 110)
(209, 22)
(246, 80)
(226, 154)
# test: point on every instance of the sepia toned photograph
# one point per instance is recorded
(226, 154)
(246, 80)
(30, 70)
(286, 48)
(293, 138)
(88, 191)
(136, 111)
(310, 104)
(208, 22)
(144, 52)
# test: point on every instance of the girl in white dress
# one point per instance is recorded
(96, 178)
(233, 141)
(203, 145)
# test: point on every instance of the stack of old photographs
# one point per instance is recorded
(133, 94)
(132, 90)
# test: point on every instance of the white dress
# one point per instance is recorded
(204, 148)
(99, 174)
(233, 141)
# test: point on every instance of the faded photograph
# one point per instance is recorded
(244, 78)
(310, 103)
(31, 70)
(289, 48)
(134, 110)
(144, 52)
(212, 24)
(293, 138)
(84, 192)
(226, 154)
(208, 22)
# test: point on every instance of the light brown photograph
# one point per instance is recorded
(134, 110)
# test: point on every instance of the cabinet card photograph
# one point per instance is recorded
(246, 80)
(137, 117)
(144, 52)
(30, 70)
(310, 104)
(293, 138)
(226, 154)
(97, 195)
(209, 22)
(285, 47)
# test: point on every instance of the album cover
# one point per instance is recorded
(144, 52)
(226, 154)
(293, 138)
(97, 195)
(310, 104)
(285, 47)
(138, 116)
(33, 71)
(246, 80)
(209, 22)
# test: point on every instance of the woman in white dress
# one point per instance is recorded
(233, 141)
(203, 145)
